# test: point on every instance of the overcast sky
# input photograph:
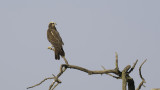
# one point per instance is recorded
(92, 31)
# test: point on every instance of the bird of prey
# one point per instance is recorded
(55, 39)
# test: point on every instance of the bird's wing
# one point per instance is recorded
(52, 38)
(58, 36)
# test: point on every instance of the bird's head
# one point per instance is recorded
(52, 24)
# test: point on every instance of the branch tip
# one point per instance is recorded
(133, 66)
(143, 80)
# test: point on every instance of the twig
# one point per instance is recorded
(41, 82)
(143, 80)
(133, 67)
(117, 61)
(50, 87)
(55, 86)
(119, 73)
(65, 60)
(140, 70)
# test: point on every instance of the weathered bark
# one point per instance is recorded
(124, 77)
(131, 85)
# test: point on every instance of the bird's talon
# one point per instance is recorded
(50, 48)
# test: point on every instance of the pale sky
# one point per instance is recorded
(92, 31)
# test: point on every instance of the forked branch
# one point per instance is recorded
(124, 74)
(40, 82)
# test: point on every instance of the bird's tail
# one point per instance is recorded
(57, 56)
(58, 52)
(62, 53)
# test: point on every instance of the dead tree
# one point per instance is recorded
(124, 74)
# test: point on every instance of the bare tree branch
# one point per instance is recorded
(124, 77)
(124, 74)
(56, 80)
(90, 72)
(133, 67)
(41, 82)
(65, 60)
(50, 87)
(119, 73)
(143, 80)
(117, 77)
(55, 86)
(117, 61)
(131, 85)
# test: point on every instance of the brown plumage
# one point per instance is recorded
(55, 39)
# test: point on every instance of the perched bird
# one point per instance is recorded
(55, 39)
